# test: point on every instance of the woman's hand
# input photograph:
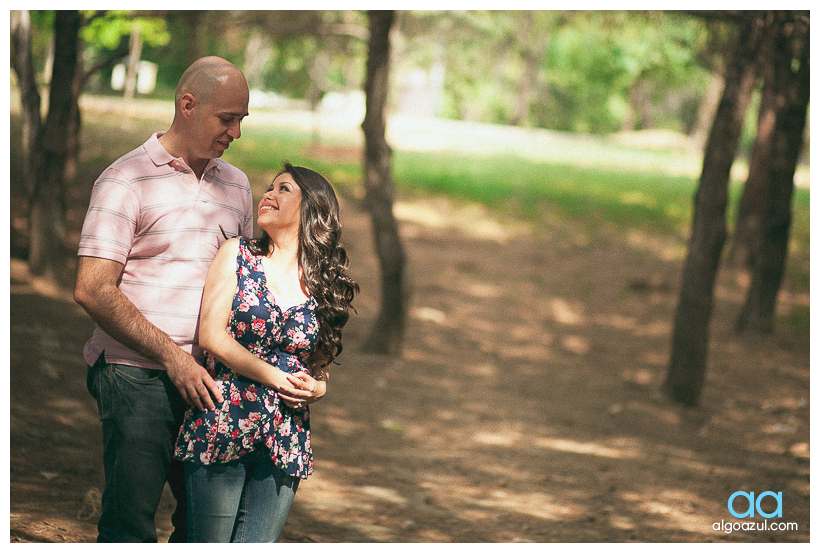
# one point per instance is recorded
(301, 390)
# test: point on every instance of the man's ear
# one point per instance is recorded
(187, 104)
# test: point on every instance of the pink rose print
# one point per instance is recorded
(246, 425)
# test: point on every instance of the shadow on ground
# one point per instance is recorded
(525, 407)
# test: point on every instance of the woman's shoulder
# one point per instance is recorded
(243, 250)
(232, 246)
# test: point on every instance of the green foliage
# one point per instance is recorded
(597, 70)
(287, 72)
(107, 30)
(594, 64)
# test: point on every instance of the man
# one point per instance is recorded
(156, 219)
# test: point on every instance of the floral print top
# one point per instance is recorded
(252, 415)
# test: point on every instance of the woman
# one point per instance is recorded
(283, 299)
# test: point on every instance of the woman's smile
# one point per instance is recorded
(283, 198)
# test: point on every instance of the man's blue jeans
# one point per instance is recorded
(141, 412)
(246, 500)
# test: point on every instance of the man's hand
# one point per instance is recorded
(194, 383)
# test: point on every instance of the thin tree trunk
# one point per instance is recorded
(791, 101)
(388, 333)
(753, 200)
(73, 131)
(193, 19)
(47, 209)
(690, 335)
(752, 203)
(29, 94)
(534, 47)
(134, 55)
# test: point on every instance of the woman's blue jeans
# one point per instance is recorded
(247, 500)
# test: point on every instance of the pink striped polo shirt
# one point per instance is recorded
(148, 212)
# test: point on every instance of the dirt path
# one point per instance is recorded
(524, 409)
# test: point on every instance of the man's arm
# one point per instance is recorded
(96, 291)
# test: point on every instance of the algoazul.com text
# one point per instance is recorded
(763, 526)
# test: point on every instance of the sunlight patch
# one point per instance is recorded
(588, 448)
(428, 314)
(385, 494)
(563, 312)
(496, 438)
(539, 505)
(481, 290)
(575, 344)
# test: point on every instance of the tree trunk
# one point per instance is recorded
(73, 131)
(753, 200)
(47, 210)
(29, 95)
(791, 90)
(690, 335)
(193, 19)
(134, 55)
(639, 116)
(388, 332)
(533, 49)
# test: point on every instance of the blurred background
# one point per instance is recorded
(589, 209)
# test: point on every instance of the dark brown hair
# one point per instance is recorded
(322, 259)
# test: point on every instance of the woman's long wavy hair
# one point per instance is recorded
(322, 259)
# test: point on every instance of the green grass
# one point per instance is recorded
(630, 188)
(623, 197)
(589, 179)
(503, 182)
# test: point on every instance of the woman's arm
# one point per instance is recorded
(215, 313)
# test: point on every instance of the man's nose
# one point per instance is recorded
(234, 131)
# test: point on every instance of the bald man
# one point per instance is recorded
(157, 217)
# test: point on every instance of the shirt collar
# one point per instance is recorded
(160, 156)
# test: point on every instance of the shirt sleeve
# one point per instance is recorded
(111, 221)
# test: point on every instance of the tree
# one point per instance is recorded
(134, 54)
(52, 147)
(29, 95)
(752, 203)
(388, 332)
(790, 98)
(46, 210)
(690, 335)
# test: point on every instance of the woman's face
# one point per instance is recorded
(280, 207)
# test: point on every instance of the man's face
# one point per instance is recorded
(217, 120)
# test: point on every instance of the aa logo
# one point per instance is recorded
(753, 505)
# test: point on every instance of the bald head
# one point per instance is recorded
(205, 76)
(211, 101)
